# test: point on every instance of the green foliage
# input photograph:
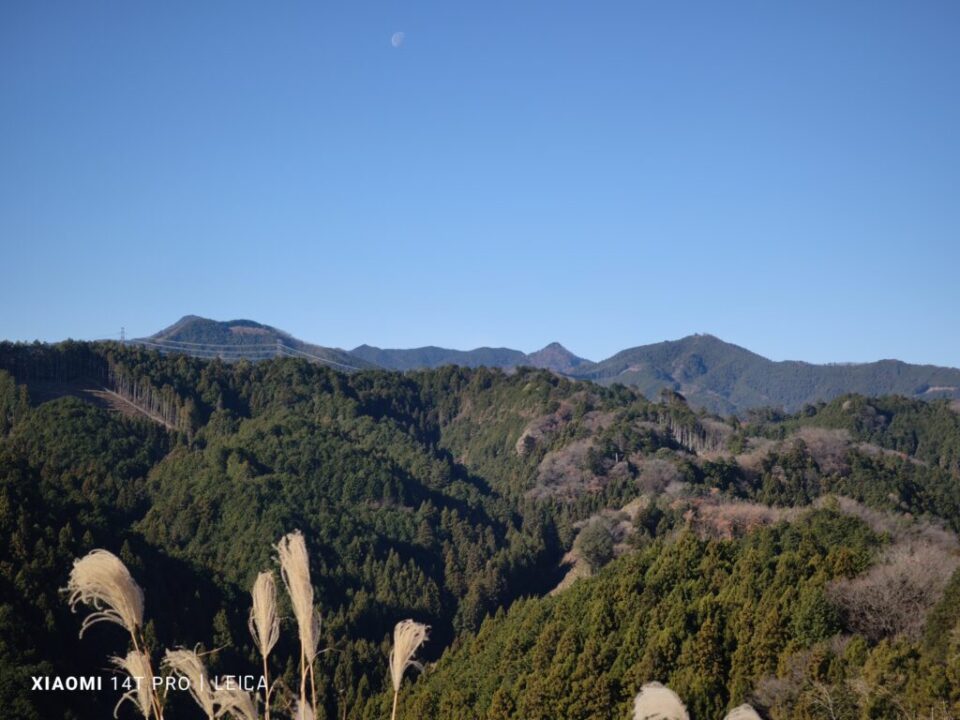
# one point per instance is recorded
(595, 542)
(424, 495)
(360, 463)
(724, 378)
(14, 402)
(708, 618)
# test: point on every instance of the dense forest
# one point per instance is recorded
(566, 542)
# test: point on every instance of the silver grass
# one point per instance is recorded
(188, 664)
(304, 712)
(657, 702)
(295, 570)
(101, 580)
(264, 621)
(137, 665)
(743, 712)
(408, 636)
(264, 625)
(235, 703)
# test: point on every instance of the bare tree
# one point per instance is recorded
(894, 596)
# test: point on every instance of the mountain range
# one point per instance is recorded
(711, 373)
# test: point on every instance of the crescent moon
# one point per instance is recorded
(397, 39)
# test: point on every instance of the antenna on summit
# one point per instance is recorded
(123, 335)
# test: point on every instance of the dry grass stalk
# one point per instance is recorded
(295, 570)
(137, 665)
(264, 625)
(102, 581)
(743, 712)
(234, 702)
(188, 664)
(657, 702)
(408, 636)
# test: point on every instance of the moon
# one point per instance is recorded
(397, 39)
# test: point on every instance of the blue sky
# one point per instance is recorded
(783, 175)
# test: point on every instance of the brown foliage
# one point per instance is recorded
(894, 596)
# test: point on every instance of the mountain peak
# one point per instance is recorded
(557, 358)
(242, 339)
(710, 372)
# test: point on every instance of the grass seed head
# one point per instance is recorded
(234, 702)
(743, 712)
(137, 665)
(304, 711)
(657, 702)
(408, 636)
(101, 580)
(264, 621)
(295, 570)
(188, 664)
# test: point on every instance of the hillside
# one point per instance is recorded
(712, 374)
(553, 357)
(241, 339)
(725, 378)
(447, 495)
(720, 621)
(434, 357)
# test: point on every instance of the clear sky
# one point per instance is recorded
(785, 175)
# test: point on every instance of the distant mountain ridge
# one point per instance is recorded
(727, 378)
(553, 357)
(432, 356)
(711, 373)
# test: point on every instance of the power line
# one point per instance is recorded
(284, 348)
(259, 351)
(205, 345)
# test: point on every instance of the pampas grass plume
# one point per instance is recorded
(408, 636)
(657, 702)
(189, 665)
(102, 581)
(137, 665)
(743, 712)
(264, 621)
(235, 702)
(264, 626)
(295, 569)
(304, 712)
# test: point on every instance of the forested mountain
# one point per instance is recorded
(726, 378)
(242, 339)
(557, 358)
(712, 374)
(552, 357)
(434, 357)
(731, 557)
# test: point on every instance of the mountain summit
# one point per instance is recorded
(711, 373)
(727, 378)
(557, 358)
(242, 340)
